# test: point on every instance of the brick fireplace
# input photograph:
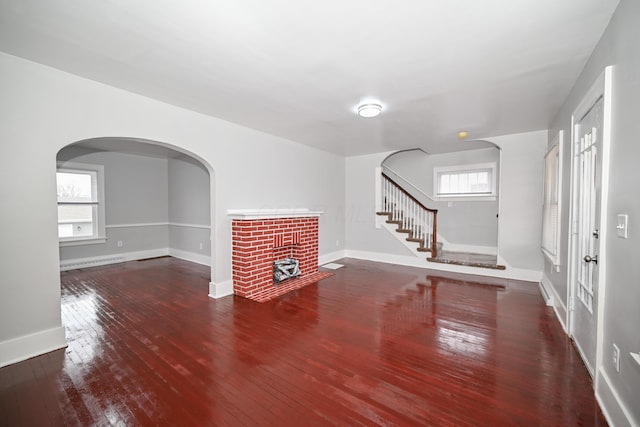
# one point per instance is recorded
(261, 237)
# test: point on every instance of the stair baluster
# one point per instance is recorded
(410, 215)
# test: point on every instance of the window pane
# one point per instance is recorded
(464, 183)
(75, 187)
(65, 230)
(444, 184)
(483, 178)
(468, 182)
(482, 185)
(75, 221)
(453, 186)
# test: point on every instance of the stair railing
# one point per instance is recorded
(406, 184)
(410, 214)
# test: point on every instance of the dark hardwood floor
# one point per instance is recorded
(374, 344)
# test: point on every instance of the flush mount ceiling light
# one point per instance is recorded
(369, 110)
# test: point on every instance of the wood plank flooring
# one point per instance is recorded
(374, 344)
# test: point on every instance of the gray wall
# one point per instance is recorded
(465, 223)
(135, 190)
(151, 204)
(619, 46)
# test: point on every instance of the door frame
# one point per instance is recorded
(601, 87)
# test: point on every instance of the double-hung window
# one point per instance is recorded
(551, 213)
(80, 189)
(476, 181)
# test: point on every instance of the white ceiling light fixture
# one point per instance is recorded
(369, 110)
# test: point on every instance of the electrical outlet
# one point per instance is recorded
(337, 242)
(616, 358)
(120, 244)
(201, 245)
(622, 226)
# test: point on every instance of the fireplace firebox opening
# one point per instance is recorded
(284, 269)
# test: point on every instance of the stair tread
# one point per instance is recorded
(415, 230)
(467, 259)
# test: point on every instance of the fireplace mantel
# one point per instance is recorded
(271, 213)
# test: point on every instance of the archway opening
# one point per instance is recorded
(141, 199)
(464, 187)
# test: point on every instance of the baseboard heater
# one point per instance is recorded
(89, 262)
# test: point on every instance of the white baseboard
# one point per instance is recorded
(409, 261)
(547, 295)
(330, 257)
(614, 410)
(191, 256)
(27, 346)
(553, 299)
(71, 264)
(220, 289)
(585, 359)
(508, 273)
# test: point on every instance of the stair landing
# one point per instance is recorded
(467, 259)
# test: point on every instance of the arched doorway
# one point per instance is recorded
(468, 212)
(157, 200)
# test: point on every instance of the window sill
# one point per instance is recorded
(553, 259)
(87, 241)
(465, 198)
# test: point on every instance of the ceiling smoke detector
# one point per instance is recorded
(369, 110)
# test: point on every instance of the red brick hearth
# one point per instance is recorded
(257, 241)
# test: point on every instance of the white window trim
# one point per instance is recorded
(553, 174)
(100, 227)
(465, 197)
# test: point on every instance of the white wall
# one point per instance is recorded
(619, 393)
(361, 231)
(189, 208)
(43, 110)
(521, 176)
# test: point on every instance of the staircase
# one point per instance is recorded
(413, 231)
(413, 218)
(419, 224)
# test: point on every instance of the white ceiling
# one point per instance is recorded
(298, 68)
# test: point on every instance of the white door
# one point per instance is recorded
(587, 168)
